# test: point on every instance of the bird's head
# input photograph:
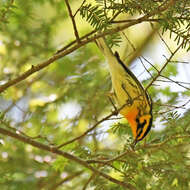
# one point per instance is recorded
(140, 123)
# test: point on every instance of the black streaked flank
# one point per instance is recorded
(139, 125)
(136, 80)
(127, 70)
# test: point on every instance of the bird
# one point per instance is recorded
(128, 93)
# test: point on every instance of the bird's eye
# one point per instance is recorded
(137, 120)
(141, 122)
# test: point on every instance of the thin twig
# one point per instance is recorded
(115, 112)
(118, 157)
(164, 66)
(130, 20)
(166, 141)
(86, 36)
(173, 81)
(88, 181)
(68, 178)
(131, 44)
(6, 124)
(178, 82)
(84, 1)
(150, 63)
(73, 21)
(145, 67)
(164, 42)
(147, 20)
(173, 106)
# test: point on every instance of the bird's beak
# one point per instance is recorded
(135, 142)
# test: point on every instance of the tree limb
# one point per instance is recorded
(69, 49)
(68, 178)
(64, 154)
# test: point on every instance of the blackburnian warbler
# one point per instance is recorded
(128, 93)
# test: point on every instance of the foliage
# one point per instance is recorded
(67, 98)
(102, 15)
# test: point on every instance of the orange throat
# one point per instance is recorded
(131, 117)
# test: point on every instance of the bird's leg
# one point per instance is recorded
(130, 100)
(111, 96)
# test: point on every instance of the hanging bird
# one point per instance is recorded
(128, 93)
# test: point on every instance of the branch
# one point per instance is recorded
(166, 141)
(84, 1)
(89, 180)
(115, 112)
(73, 21)
(131, 20)
(148, 20)
(173, 106)
(64, 154)
(68, 178)
(168, 79)
(107, 161)
(173, 81)
(70, 49)
(160, 71)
